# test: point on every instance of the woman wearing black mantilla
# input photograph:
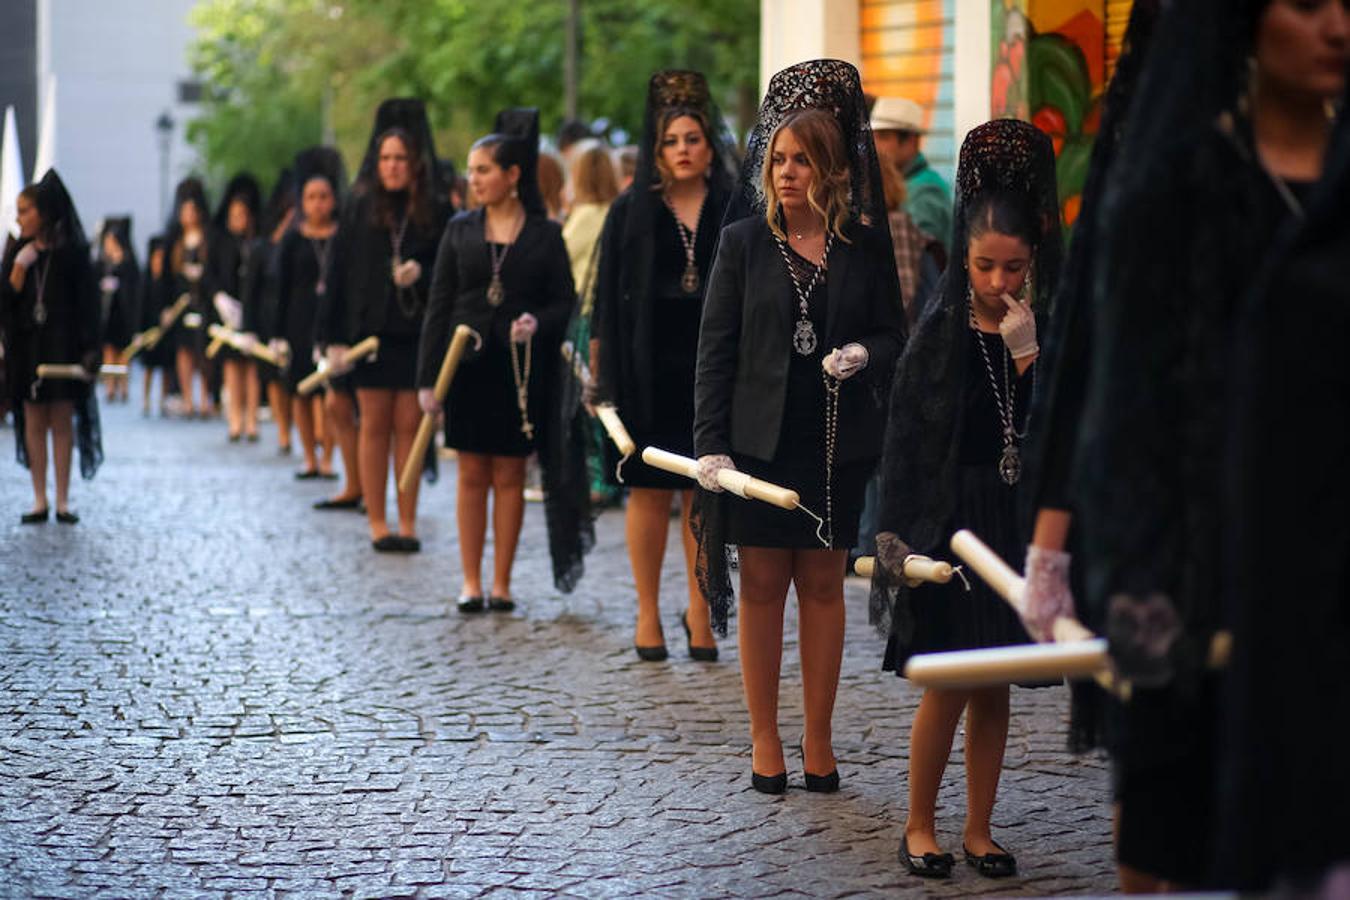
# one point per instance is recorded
(655, 254)
(801, 329)
(503, 270)
(958, 422)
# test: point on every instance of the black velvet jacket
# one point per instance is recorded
(745, 341)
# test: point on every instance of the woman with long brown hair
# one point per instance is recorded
(384, 253)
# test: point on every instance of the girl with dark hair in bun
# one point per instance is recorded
(503, 270)
(953, 459)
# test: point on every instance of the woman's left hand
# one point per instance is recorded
(407, 273)
(523, 328)
(1018, 329)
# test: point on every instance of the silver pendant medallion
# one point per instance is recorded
(321, 288)
(495, 292)
(1010, 465)
(804, 338)
(689, 282)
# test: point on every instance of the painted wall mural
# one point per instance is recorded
(1049, 67)
(907, 51)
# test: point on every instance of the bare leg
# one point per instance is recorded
(475, 477)
(323, 433)
(377, 422)
(147, 390)
(819, 577)
(930, 745)
(646, 526)
(60, 421)
(342, 420)
(252, 398)
(697, 613)
(765, 575)
(508, 513)
(407, 416)
(280, 400)
(986, 738)
(183, 359)
(36, 421)
(303, 414)
(234, 399)
(116, 383)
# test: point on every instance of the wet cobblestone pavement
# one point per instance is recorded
(207, 689)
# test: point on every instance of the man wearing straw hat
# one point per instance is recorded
(898, 126)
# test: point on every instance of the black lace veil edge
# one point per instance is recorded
(566, 480)
(409, 114)
(925, 404)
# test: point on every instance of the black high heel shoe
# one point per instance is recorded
(769, 784)
(699, 654)
(819, 784)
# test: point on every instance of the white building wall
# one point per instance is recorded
(792, 31)
(116, 67)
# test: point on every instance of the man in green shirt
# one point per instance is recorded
(897, 128)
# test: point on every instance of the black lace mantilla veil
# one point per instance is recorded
(409, 114)
(918, 478)
(521, 125)
(834, 86)
(55, 206)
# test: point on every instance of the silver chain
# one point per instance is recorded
(521, 376)
(689, 238)
(40, 290)
(804, 335)
(831, 440)
(321, 246)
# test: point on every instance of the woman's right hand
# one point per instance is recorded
(426, 398)
(336, 357)
(27, 255)
(709, 466)
(165, 318)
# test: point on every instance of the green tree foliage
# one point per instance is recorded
(284, 74)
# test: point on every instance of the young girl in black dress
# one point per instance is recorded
(958, 420)
(119, 283)
(503, 270)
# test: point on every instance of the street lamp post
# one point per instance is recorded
(164, 129)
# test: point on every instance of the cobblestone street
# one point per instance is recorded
(209, 689)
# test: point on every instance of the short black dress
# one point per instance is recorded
(304, 265)
(117, 290)
(189, 330)
(53, 320)
(799, 464)
(947, 616)
(675, 322)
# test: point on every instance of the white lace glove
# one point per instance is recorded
(1019, 329)
(27, 255)
(847, 360)
(523, 328)
(231, 311)
(1047, 596)
(165, 318)
(407, 272)
(193, 271)
(281, 349)
(709, 466)
(426, 398)
(891, 555)
(335, 354)
(108, 284)
(248, 342)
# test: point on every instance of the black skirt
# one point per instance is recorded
(753, 523)
(393, 368)
(949, 617)
(483, 415)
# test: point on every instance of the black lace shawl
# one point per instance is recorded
(918, 468)
(834, 86)
(1287, 544)
(1147, 468)
(622, 317)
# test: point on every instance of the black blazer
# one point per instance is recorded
(745, 347)
(537, 278)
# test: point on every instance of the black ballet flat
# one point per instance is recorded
(408, 544)
(387, 544)
(284, 451)
(66, 518)
(659, 653)
(698, 654)
(769, 784)
(251, 438)
(307, 475)
(349, 503)
(469, 605)
(234, 438)
(328, 476)
(501, 604)
(929, 865)
(993, 865)
(35, 518)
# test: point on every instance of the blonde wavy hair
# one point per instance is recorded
(823, 142)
